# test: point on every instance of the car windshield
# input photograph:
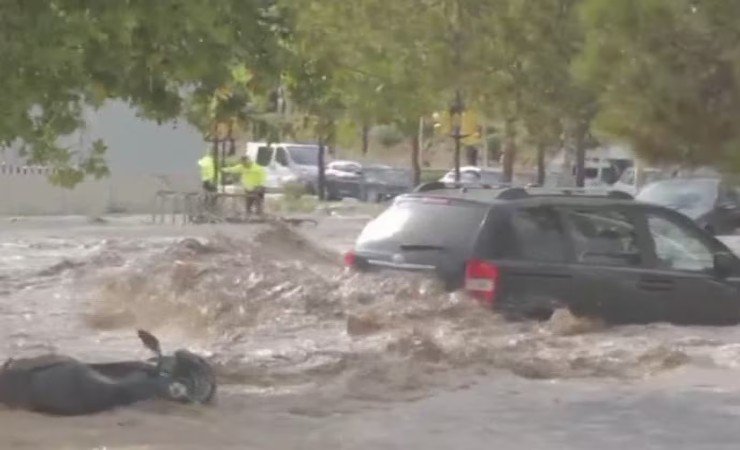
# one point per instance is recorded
(304, 155)
(438, 222)
(681, 193)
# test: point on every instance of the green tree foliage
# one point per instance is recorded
(62, 55)
(667, 74)
(368, 60)
(660, 74)
(526, 50)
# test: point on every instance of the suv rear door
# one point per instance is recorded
(423, 233)
(530, 249)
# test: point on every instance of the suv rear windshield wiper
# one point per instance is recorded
(420, 247)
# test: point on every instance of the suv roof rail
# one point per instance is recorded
(508, 192)
(439, 185)
(582, 192)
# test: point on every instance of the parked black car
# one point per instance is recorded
(369, 183)
(712, 203)
(529, 252)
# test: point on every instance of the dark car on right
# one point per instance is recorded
(712, 203)
(528, 252)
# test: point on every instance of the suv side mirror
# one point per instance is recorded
(724, 264)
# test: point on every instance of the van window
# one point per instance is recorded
(588, 172)
(264, 156)
(604, 237)
(304, 155)
(609, 175)
(628, 177)
(281, 157)
(677, 247)
(539, 235)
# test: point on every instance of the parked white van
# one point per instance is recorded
(286, 163)
(628, 181)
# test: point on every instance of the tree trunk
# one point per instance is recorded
(456, 155)
(321, 183)
(415, 166)
(541, 165)
(509, 150)
(581, 155)
(365, 139)
(471, 155)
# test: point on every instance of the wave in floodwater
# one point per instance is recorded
(278, 313)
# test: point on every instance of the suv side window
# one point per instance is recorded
(677, 247)
(281, 157)
(604, 237)
(540, 235)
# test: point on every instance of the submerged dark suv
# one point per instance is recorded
(528, 252)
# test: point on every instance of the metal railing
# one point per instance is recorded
(12, 169)
(198, 207)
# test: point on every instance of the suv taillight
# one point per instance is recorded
(350, 259)
(481, 280)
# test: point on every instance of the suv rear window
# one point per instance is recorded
(445, 223)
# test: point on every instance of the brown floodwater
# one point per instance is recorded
(310, 356)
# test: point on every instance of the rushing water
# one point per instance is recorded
(312, 356)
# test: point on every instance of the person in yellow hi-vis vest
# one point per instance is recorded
(208, 172)
(209, 180)
(253, 178)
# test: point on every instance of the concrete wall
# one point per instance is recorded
(28, 192)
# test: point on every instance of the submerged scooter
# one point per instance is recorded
(61, 385)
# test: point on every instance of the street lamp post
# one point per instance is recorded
(456, 111)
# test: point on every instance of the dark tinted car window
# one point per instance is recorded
(281, 157)
(604, 237)
(540, 235)
(304, 155)
(439, 222)
(264, 156)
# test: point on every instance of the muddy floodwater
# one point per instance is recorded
(312, 357)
